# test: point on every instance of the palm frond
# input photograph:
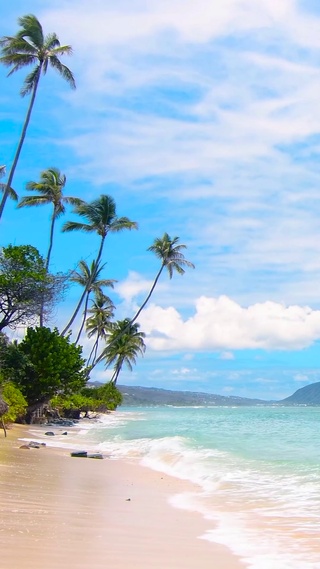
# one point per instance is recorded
(32, 29)
(12, 194)
(30, 81)
(30, 201)
(63, 70)
(76, 226)
(51, 42)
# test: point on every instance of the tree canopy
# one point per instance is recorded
(43, 365)
(25, 285)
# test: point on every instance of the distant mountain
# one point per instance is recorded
(154, 396)
(135, 395)
(308, 395)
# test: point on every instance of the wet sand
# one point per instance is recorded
(59, 512)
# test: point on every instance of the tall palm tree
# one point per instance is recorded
(50, 191)
(99, 323)
(102, 219)
(30, 47)
(89, 279)
(126, 343)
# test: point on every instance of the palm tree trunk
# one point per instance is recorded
(41, 319)
(99, 358)
(100, 250)
(146, 300)
(84, 317)
(115, 375)
(64, 331)
(50, 240)
(21, 141)
(93, 349)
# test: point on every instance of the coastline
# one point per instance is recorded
(58, 511)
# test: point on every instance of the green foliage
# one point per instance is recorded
(57, 364)
(48, 365)
(16, 401)
(104, 398)
(74, 402)
(125, 344)
(108, 394)
(24, 285)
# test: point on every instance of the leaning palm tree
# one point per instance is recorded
(125, 344)
(98, 324)
(169, 253)
(30, 47)
(49, 191)
(102, 219)
(89, 279)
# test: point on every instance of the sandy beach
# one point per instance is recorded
(58, 511)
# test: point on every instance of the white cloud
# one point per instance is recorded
(132, 286)
(301, 377)
(227, 356)
(183, 371)
(222, 324)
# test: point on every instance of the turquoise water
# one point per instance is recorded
(257, 471)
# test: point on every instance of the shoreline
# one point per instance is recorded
(57, 511)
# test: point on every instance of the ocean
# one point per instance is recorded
(257, 471)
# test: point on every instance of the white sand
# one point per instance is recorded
(60, 512)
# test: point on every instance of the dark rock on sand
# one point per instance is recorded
(79, 453)
(35, 444)
(95, 455)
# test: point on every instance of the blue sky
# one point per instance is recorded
(200, 119)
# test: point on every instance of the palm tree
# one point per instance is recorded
(126, 343)
(102, 219)
(50, 191)
(89, 279)
(30, 47)
(169, 252)
(99, 323)
(11, 193)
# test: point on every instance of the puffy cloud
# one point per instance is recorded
(222, 324)
(132, 286)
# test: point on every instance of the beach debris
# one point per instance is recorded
(85, 454)
(128, 500)
(95, 455)
(49, 434)
(80, 453)
(65, 433)
(36, 444)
